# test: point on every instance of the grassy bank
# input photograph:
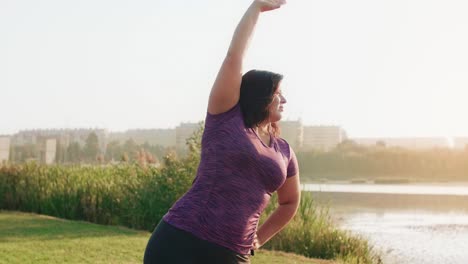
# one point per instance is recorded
(31, 238)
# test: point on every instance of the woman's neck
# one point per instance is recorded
(263, 129)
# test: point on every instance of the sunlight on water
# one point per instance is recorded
(418, 237)
(407, 223)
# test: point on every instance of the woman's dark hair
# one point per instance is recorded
(256, 94)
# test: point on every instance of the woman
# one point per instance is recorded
(243, 161)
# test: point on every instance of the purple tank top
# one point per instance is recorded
(237, 175)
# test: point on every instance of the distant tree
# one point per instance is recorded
(141, 157)
(349, 146)
(157, 151)
(91, 148)
(12, 156)
(194, 141)
(26, 152)
(151, 159)
(74, 152)
(113, 150)
(17, 153)
(61, 152)
(130, 147)
(380, 143)
(124, 157)
(100, 158)
(145, 145)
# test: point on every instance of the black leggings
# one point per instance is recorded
(170, 245)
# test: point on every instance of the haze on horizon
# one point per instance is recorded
(376, 68)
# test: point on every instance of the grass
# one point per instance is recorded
(358, 180)
(32, 238)
(392, 181)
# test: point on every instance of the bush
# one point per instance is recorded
(312, 233)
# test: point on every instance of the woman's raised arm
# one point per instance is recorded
(226, 88)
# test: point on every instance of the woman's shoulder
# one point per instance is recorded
(227, 120)
(282, 141)
(233, 111)
(284, 146)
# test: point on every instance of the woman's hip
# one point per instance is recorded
(169, 244)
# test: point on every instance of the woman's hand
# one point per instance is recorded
(256, 243)
(268, 5)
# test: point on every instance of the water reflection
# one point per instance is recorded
(411, 237)
(408, 224)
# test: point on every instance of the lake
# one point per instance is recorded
(408, 223)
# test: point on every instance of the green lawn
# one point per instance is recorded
(31, 238)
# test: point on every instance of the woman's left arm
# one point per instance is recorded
(289, 196)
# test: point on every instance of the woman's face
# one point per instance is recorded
(275, 109)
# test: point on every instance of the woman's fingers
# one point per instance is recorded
(255, 242)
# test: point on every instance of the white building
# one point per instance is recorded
(322, 137)
(50, 151)
(292, 132)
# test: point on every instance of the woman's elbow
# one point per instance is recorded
(291, 208)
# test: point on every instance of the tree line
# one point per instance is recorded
(350, 160)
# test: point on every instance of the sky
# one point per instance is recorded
(376, 68)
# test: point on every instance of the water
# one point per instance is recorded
(418, 237)
(433, 189)
(415, 223)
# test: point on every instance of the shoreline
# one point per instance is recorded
(432, 202)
